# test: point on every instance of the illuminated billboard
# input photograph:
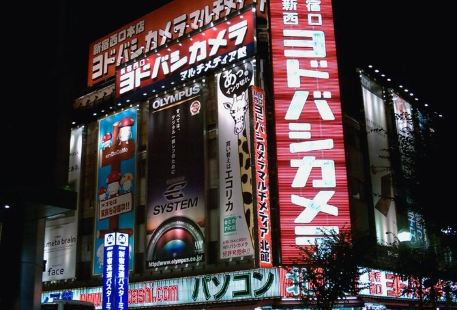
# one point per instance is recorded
(253, 284)
(172, 21)
(262, 177)
(236, 207)
(117, 142)
(176, 217)
(380, 167)
(312, 179)
(200, 54)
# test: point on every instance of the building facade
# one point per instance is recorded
(211, 137)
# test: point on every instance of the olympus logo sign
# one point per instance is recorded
(175, 97)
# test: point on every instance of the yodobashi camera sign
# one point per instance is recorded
(309, 133)
(115, 271)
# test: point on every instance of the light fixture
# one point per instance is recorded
(404, 236)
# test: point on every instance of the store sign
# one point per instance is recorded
(378, 283)
(175, 224)
(115, 271)
(154, 30)
(115, 181)
(215, 47)
(236, 205)
(373, 283)
(309, 134)
(207, 289)
(262, 177)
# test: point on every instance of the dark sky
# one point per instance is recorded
(409, 41)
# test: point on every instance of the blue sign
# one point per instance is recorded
(115, 271)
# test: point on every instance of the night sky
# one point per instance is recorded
(409, 41)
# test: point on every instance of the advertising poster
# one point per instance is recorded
(407, 144)
(380, 167)
(236, 204)
(60, 235)
(60, 238)
(116, 181)
(176, 192)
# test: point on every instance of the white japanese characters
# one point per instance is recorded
(194, 56)
(153, 31)
(308, 124)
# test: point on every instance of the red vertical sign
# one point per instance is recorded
(262, 179)
(310, 151)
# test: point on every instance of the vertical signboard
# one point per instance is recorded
(380, 167)
(116, 181)
(309, 135)
(407, 146)
(176, 192)
(235, 174)
(115, 271)
(262, 178)
(60, 235)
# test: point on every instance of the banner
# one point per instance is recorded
(115, 271)
(262, 177)
(380, 167)
(61, 234)
(312, 176)
(200, 289)
(407, 149)
(194, 56)
(176, 188)
(236, 204)
(116, 181)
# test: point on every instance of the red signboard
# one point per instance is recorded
(154, 30)
(220, 45)
(262, 178)
(310, 151)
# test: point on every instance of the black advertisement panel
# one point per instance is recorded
(176, 206)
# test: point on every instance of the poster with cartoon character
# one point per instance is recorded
(235, 173)
(115, 181)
